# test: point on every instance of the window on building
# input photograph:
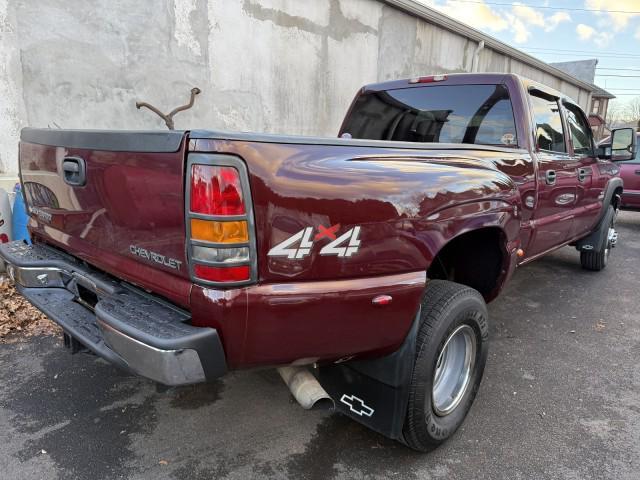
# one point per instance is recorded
(595, 106)
(479, 114)
(580, 130)
(549, 131)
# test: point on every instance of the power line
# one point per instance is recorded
(619, 69)
(576, 55)
(635, 57)
(613, 75)
(571, 9)
(573, 50)
(591, 52)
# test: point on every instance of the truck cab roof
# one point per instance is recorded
(465, 79)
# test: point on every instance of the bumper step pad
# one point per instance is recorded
(122, 324)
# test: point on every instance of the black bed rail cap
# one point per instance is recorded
(110, 140)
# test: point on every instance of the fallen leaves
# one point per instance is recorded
(19, 318)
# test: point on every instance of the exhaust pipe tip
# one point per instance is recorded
(323, 404)
(306, 389)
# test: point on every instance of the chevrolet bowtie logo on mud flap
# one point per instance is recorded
(357, 405)
(345, 245)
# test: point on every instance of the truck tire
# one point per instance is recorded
(598, 258)
(451, 352)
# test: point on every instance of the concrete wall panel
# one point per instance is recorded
(282, 66)
(441, 51)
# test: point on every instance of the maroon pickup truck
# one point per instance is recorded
(367, 259)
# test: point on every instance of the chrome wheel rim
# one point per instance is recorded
(454, 370)
(612, 240)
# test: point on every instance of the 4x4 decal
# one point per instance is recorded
(299, 245)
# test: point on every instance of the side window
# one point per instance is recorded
(549, 131)
(580, 131)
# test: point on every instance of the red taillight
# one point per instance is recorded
(221, 248)
(216, 190)
(429, 79)
(222, 274)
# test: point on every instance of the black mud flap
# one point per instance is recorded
(596, 240)
(374, 392)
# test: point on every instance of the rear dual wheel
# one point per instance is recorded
(451, 352)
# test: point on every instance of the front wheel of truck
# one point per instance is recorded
(451, 352)
(596, 257)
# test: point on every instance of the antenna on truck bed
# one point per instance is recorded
(168, 118)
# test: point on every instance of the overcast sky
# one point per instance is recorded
(570, 30)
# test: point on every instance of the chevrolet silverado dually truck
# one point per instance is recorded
(368, 259)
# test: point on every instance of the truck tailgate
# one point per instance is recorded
(113, 199)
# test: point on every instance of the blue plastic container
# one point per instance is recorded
(20, 217)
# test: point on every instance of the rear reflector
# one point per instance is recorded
(216, 190)
(221, 255)
(219, 232)
(222, 274)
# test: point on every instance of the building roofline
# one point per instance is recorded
(602, 93)
(431, 15)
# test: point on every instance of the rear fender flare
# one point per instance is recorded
(503, 216)
(609, 191)
(482, 214)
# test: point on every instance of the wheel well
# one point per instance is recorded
(615, 199)
(474, 259)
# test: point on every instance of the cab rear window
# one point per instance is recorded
(477, 114)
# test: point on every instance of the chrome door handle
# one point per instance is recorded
(583, 173)
(550, 177)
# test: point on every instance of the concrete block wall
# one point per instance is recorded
(280, 66)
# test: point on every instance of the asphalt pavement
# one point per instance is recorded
(560, 400)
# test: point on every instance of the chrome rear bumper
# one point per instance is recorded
(171, 367)
(122, 324)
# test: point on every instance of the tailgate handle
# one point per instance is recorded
(74, 171)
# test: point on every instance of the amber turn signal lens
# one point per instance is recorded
(219, 232)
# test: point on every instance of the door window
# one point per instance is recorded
(549, 131)
(580, 131)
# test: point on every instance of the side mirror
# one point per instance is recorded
(621, 147)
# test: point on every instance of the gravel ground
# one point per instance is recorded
(560, 400)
